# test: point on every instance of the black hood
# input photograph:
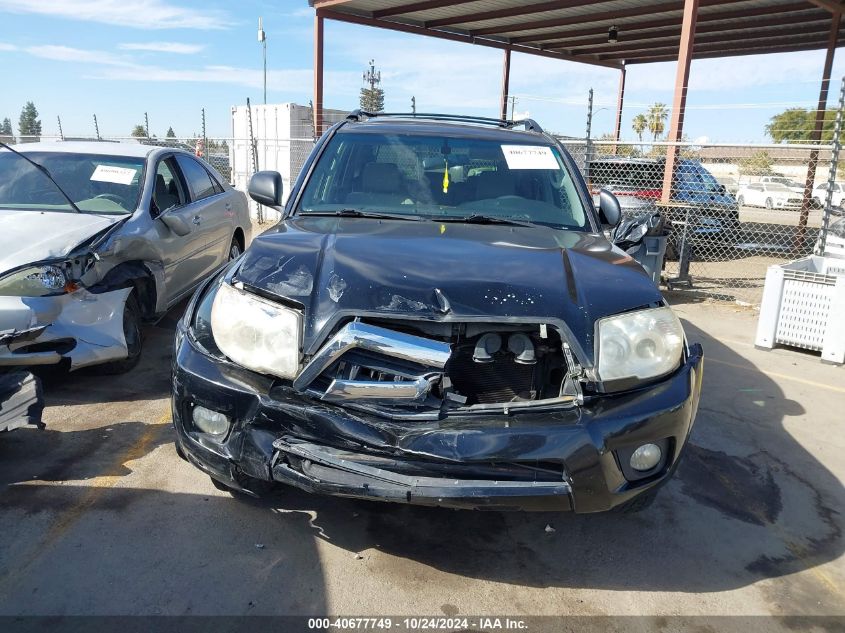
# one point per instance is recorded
(351, 266)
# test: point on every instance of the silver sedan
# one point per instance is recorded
(96, 237)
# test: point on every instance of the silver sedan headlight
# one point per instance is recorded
(641, 345)
(256, 333)
(35, 281)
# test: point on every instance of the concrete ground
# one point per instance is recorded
(100, 516)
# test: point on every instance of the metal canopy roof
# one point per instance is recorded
(575, 30)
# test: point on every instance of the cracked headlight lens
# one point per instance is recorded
(256, 333)
(642, 344)
(35, 281)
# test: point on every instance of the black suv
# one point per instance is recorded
(438, 319)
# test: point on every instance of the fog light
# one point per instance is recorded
(645, 457)
(211, 422)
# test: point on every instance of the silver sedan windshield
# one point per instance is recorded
(96, 183)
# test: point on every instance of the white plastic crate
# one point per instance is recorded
(804, 306)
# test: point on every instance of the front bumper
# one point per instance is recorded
(84, 327)
(566, 459)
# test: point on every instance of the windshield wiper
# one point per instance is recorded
(44, 171)
(357, 213)
(477, 218)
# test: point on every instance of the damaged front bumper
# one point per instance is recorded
(567, 458)
(85, 327)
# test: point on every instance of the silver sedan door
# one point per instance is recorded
(181, 239)
(213, 211)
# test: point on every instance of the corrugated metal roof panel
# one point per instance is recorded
(546, 25)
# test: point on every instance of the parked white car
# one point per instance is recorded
(96, 237)
(793, 186)
(820, 194)
(772, 195)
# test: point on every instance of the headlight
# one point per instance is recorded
(256, 333)
(642, 344)
(35, 281)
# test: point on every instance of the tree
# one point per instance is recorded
(139, 131)
(657, 115)
(622, 149)
(372, 97)
(6, 131)
(758, 164)
(796, 125)
(29, 124)
(639, 125)
(170, 133)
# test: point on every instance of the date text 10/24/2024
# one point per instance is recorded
(417, 624)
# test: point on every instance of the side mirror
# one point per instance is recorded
(175, 223)
(610, 212)
(265, 187)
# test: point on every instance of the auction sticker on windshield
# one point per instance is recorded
(117, 175)
(529, 157)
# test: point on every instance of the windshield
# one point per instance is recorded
(777, 186)
(96, 183)
(441, 177)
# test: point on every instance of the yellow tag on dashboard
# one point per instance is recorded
(446, 178)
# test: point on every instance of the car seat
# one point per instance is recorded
(381, 184)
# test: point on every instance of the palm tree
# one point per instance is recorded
(657, 115)
(639, 124)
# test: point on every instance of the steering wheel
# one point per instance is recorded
(112, 197)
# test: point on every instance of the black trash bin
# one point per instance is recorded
(644, 238)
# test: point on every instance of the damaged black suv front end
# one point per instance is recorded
(501, 364)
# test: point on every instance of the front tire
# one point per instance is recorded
(769, 203)
(740, 201)
(234, 249)
(134, 339)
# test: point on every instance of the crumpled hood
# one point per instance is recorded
(32, 236)
(393, 268)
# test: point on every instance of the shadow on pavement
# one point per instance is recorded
(129, 551)
(50, 455)
(149, 379)
(747, 503)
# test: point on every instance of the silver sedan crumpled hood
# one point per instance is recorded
(32, 236)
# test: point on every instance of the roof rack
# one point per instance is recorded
(529, 124)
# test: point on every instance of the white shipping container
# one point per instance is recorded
(283, 134)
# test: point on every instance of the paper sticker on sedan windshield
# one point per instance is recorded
(117, 175)
(529, 157)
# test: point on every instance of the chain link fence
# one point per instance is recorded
(733, 210)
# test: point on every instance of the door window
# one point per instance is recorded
(199, 182)
(167, 191)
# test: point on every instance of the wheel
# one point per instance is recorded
(817, 204)
(639, 503)
(234, 249)
(740, 200)
(133, 336)
(769, 204)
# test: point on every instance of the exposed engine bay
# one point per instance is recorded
(419, 366)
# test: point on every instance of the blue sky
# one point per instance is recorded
(170, 58)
